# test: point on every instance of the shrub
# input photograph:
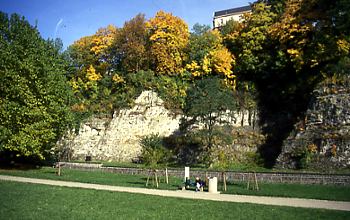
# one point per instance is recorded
(153, 151)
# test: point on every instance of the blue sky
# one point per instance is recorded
(72, 19)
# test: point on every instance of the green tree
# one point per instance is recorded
(34, 93)
(153, 151)
(223, 164)
(209, 102)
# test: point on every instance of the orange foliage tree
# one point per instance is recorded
(129, 48)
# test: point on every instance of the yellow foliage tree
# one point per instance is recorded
(118, 79)
(222, 62)
(91, 57)
(304, 32)
(91, 74)
(168, 36)
(102, 40)
(210, 56)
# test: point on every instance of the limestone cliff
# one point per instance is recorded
(118, 138)
(322, 139)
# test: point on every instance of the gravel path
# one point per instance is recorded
(293, 202)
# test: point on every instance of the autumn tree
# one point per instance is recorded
(91, 67)
(34, 93)
(285, 49)
(91, 52)
(208, 55)
(168, 36)
(129, 49)
(83, 74)
(312, 34)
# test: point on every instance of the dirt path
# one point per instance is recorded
(293, 202)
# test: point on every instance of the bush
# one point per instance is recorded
(153, 151)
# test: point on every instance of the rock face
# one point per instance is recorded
(118, 138)
(322, 139)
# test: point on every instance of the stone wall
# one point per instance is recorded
(117, 139)
(298, 178)
(322, 139)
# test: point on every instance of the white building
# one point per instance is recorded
(221, 17)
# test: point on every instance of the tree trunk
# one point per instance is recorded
(254, 118)
(249, 117)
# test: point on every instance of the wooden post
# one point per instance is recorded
(224, 179)
(248, 179)
(148, 177)
(252, 177)
(59, 169)
(256, 182)
(166, 176)
(59, 164)
(152, 174)
(155, 175)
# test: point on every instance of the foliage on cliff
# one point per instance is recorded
(110, 68)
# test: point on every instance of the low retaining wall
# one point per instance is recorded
(301, 178)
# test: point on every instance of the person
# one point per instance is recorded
(198, 184)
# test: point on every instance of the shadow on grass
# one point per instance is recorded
(51, 171)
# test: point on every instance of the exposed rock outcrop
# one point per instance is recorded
(322, 139)
(118, 138)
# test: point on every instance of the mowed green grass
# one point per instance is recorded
(34, 201)
(327, 192)
(97, 177)
(324, 192)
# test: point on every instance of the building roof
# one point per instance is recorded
(232, 11)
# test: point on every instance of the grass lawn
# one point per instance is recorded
(328, 192)
(98, 177)
(31, 201)
(232, 167)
